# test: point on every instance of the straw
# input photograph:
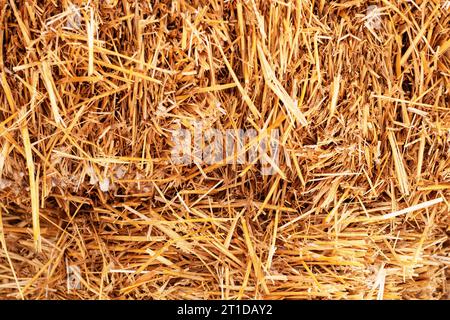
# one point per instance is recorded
(93, 204)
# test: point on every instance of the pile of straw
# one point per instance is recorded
(92, 91)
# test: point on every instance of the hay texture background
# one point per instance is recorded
(91, 92)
